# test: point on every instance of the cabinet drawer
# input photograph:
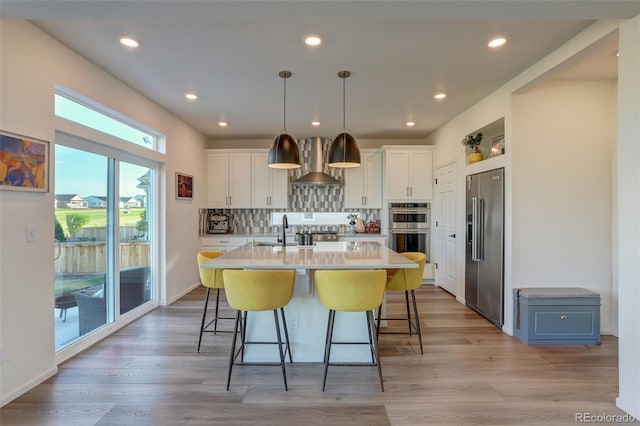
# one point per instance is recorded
(570, 322)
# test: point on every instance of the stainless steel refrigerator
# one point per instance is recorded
(484, 266)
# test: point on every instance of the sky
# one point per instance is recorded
(84, 173)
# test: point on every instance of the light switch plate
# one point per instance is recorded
(31, 233)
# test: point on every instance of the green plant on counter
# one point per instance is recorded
(472, 141)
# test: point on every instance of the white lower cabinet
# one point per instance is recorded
(361, 238)
(223, 243)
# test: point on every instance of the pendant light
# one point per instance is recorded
(284, 152)
(344, 151)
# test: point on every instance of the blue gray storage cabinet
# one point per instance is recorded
(556, 316)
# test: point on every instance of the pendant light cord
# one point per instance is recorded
(344, 114)
(284, 118)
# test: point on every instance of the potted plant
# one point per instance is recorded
(471, 141)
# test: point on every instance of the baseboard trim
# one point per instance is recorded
(182, 293)
(5, 399)
(631, 409)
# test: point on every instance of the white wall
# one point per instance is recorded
(498, 104)
(626, 195)
(628, 212)
(563, 135)
(31, 63)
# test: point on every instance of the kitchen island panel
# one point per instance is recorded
(306, 316)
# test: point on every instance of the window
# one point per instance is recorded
(74, 110)
(105, 215)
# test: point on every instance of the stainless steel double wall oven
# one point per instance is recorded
(409, 227)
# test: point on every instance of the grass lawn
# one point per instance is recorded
(69, 285)
(98, 217)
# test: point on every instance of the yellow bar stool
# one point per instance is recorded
(406, 280)
(351, 291)
(258, 290)
(212, 279)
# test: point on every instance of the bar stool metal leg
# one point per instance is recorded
(215, 324)
(417, 320)
(233, 348)
(204, 316)
(278, 334)
(286, 334)
(327, 349)
(374, 346)
(406, 299)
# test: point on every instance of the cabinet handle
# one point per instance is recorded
(365, 200)
(229, 199)
(407, 191)
(451, 235)
(411, 191)
(564, 317)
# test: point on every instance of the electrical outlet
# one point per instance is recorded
(293, 322)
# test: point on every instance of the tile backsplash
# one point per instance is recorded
(247, 221)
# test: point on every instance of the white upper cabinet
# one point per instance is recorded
(270, 186)
(229, 179)
(363, 185)
(408, 173)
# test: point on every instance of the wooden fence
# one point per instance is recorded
(90, 257)
(99, 233)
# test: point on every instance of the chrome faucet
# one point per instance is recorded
(285, 225)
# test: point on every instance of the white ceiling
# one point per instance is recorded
(399, 52)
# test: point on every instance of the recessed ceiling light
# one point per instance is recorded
(313, 40)
(191, 96)
(315, 123)
(497, 42)
(129, 42)
(223, 123)
(439, 95)
(410, 123)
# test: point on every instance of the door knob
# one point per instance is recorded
(451, 235)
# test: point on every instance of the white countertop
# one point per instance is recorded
(289, 235)
(329, 255)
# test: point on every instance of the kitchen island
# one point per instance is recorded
(306, 316)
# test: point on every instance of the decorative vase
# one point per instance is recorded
(352, 227)
(474, 157)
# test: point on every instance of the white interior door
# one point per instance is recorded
(445, 234)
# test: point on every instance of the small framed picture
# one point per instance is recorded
(184, 186)
(24, 163)
(497, 146)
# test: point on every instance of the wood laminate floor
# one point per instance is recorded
(471, 373)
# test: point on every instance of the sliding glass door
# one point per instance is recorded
(104, 215)
(135, 238)
(82, 222)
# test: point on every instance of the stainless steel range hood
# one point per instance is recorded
(316, 176)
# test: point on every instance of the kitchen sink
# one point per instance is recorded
(271, 243)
